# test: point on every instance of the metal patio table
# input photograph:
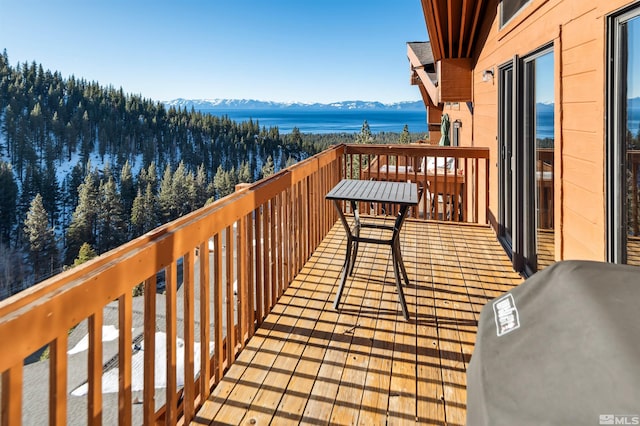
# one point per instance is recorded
(402, 194)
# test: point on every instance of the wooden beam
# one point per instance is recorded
(454, 80)
(463, 26)
(472, 34)
(450, 26)
(434, 27)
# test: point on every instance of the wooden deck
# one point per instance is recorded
(364, 364)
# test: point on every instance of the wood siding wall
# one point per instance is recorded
(577, 30)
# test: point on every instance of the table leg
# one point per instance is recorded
(348, 260)
(356, 232)
(398, 264)
(345, 270)
(396, 247)
(396, 272)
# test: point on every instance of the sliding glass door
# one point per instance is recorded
(623, 138)
(526, 166)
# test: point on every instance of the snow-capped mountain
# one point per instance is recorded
(222, 104)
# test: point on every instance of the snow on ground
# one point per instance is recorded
(110, 377)
(109, 333)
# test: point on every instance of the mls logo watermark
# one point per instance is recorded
(619, 419)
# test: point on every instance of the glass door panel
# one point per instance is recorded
(632, 126)
(543, 157)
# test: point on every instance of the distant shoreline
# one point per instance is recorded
(329, 121)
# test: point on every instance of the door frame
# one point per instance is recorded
(616, 128)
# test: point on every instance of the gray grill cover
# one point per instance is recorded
(568, 351)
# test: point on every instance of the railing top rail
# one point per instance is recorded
(419, 150)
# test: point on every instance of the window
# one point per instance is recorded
(509, 9)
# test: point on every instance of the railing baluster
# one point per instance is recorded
(240, 275)
(148, 396)
(231, 326)
(189, 331)
(205, 338)
(250, 242)
(272, 255)
(94, 374)
(58, 381)
(124, 358)
(259, 265)
(11, 407)
(218, 302)
(171, 310)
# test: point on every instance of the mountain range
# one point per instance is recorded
(226, 104)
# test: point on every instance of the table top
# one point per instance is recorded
(403, 193)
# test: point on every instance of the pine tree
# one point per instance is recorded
(85, 253)
(244, 173)
(221, 183)
(42, 242)
(111, 225)
(127, 188)
(82, 228)
(183, 190)
(143, 213)
(12, 272)
(166, 197)
(8, 198)
(405, 138)
(201, 187)
(268, 167)
(365, 136)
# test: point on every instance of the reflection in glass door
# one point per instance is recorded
(623, 165)
(543, 111)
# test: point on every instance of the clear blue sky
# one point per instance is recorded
(279, 50)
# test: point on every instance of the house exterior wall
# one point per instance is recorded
(577, 30)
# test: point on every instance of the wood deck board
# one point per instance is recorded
(364, 364)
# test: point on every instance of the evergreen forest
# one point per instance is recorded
(85, 168)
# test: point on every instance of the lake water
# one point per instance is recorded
(322, 121)
(350, 121)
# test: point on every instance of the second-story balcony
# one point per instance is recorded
(243, 329)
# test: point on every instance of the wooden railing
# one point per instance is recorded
(454, 180)
(256, 240)
(285, 215)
